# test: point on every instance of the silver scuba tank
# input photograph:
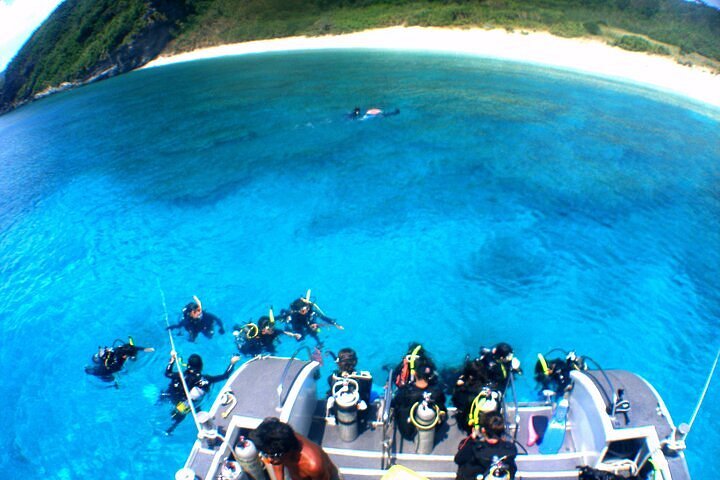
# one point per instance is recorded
(247, 456)
(424, 418)
(185, 474)
(346, 395)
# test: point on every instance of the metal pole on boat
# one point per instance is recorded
(177, 362)
(702, 396)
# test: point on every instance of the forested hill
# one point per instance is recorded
(86, 40)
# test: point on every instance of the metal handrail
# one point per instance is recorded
(285, 371)
(386, 439)
(515, 403)
(614, 400)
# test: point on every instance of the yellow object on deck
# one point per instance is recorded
(398, 472)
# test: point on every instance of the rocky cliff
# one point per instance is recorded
(87, 40)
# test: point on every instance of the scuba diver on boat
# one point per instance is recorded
(485, 455)
(195, 320)
(414, 400)
(259, 338)
(499, 363)
(198, 384)
(282, 448)
(349, 388)
(304, 316)
(473, 396)
(371, 113)
(554, 374)
(110, 360)
(405, 371)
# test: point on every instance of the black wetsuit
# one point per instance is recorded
(475, 457)
(204, 324)
(261, 343)
(303, 324)
(498, 373)
(198, 384)
(108, 361)
(462, 398)
(409, 395)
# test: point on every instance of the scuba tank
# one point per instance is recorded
(346, 395)
(498, 470)
(424, 417)
(185, 474)
(247, 456)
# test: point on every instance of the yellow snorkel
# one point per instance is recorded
(543, 364)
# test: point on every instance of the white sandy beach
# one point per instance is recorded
(579, 55)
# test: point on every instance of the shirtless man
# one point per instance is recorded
(282, 448)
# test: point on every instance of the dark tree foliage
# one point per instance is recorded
(89, 39)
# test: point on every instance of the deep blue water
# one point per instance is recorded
(504, 203)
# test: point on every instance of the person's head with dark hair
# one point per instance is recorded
(301, 305)
(192, 311)
(275, 439)
(424, 370)
(494, 426)
(265, 325)
(474, 372)
(346, 360)
(502, 352)
(195, 362)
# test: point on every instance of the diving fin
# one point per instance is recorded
(555, 434)
(537, 425)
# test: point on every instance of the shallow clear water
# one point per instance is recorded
(504, 203)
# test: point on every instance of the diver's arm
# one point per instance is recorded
(226, 374)
(330, 321)
(182, 323)
(296, 336)
(169, 369)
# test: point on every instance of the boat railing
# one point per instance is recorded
(515, 405)
(287, 369)
(386, 417)
(613, 402)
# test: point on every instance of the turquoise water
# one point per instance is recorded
(504, 203)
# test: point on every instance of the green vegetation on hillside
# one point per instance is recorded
(694, 28)
(84, 39)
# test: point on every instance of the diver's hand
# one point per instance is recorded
(234, 359)
(297, 336)
(339, 327)
(149, 349)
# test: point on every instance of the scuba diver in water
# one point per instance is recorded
(554, 375)
(198, 384)
(258, 338)
(195, 320)
(304, 316)
(371, 113)
(110, 360)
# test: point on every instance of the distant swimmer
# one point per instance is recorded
(110, 360)
(371, 113)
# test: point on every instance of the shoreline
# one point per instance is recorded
(584, 56)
